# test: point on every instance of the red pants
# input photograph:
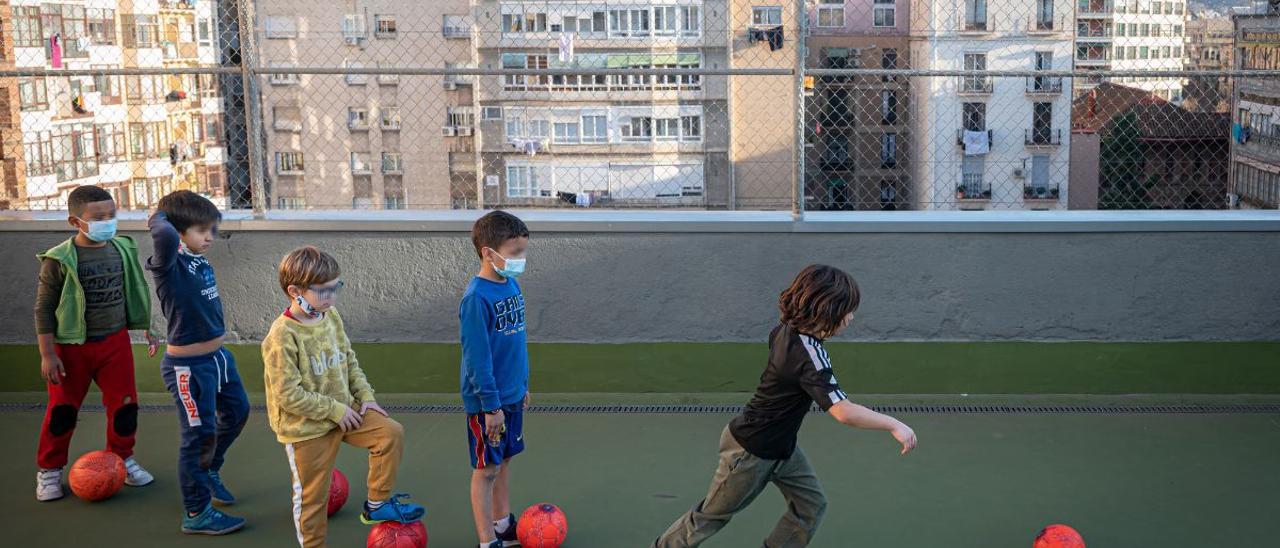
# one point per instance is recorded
(109, 363)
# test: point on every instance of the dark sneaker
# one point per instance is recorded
(220, 493)
(509, 538)
(393, 510)
(211, 522)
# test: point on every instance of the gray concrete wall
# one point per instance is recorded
(651, 286)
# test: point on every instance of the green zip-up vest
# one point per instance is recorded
(70, 313)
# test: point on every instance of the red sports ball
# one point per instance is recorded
(1059, 536)
(542, 526)
(97, 475)
(338, 491)
(393, 534)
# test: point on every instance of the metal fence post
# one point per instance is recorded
(253, 106)
(797, 198)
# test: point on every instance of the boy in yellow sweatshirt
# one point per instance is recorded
(318, 397)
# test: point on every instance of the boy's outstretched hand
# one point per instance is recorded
(350, 420)
(906, 436)
(372, 406)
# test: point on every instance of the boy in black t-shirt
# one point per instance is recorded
(759, 446)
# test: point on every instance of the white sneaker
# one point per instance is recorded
(136, 476)
(49, 485)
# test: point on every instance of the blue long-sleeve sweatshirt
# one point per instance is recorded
(495, 358)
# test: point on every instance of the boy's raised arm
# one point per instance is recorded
(166, 240)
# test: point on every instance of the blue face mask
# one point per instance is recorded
(513, 267)
(100, 231)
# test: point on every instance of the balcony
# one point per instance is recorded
(1044, 85)
(177, 5)
(1094, 9)
(1094, 33)
(1042, 137)
(1040, 192)
(991, 137)
(973, 188)
(971, 25)
(1047, 25)
(178, 51)
(457, 32)
(974, 85)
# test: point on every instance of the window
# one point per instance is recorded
(205, 34)
(1044, 14)
(389, 118)
(141, 31)
(690, 20)
(109, 142)
(284, 202)
(357, 118)
(665, 20)
(1144, 52)
(595, 128)
(360, 163)
(148, 140)
(888, 107)
(566, 133)
(691, 128)
(976, 84)
(974, 116)
(514, 127)
(885, 13)
(102, 25)
(491, 113)
(37, 148)
(384, 25)
(667, 129)
(522, 182)
(356, 79)
(287, 118)
(26, 27)
(888, 61)
(388, 79)
(975, 15)
(888, 151)
(638, 128)
(766, 15)
(353, 27)
(830, 13)
(1042, 123)
(281, 27)
(391, 163)
(33, 94)
(512, 23)
(283, 79)
(74, 154)
(461, 117)
(144, 89)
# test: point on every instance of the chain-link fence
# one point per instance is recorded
(700, 104)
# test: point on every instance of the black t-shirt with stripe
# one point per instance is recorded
(799, 373)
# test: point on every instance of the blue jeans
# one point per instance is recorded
(212, 410)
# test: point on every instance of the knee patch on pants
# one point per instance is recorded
(62, 419)
(126, 420)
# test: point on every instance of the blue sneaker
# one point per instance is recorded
(392, 510)
(220, 493)
(211, 522)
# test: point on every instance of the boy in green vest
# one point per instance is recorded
(91, 294)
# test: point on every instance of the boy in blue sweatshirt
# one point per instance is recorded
(495, 372)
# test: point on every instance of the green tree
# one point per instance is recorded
(1123, 181)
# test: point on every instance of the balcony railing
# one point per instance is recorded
(457, 32)
(974, 85)
(1044, 85)
(177, 4)
(1089, 31)
(968, 24)
(1042, 137)
(972, 187)
(1046, 25)
(991, 137)
(1040, 192)
(1087, 7)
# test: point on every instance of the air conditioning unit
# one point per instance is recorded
(464, 131)
(354, 40)
(1019, 173)
(450, 85)
(448, 131)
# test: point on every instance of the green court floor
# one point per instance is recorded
(989, 481)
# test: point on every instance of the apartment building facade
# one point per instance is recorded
(1141, 35)
(1255, 132)
(988, 142)
(139, 137)
(857, 129)
(1208, 47)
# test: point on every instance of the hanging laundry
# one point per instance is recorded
(775, 38)
(55, 51)
(566, 48)
(976, 143)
